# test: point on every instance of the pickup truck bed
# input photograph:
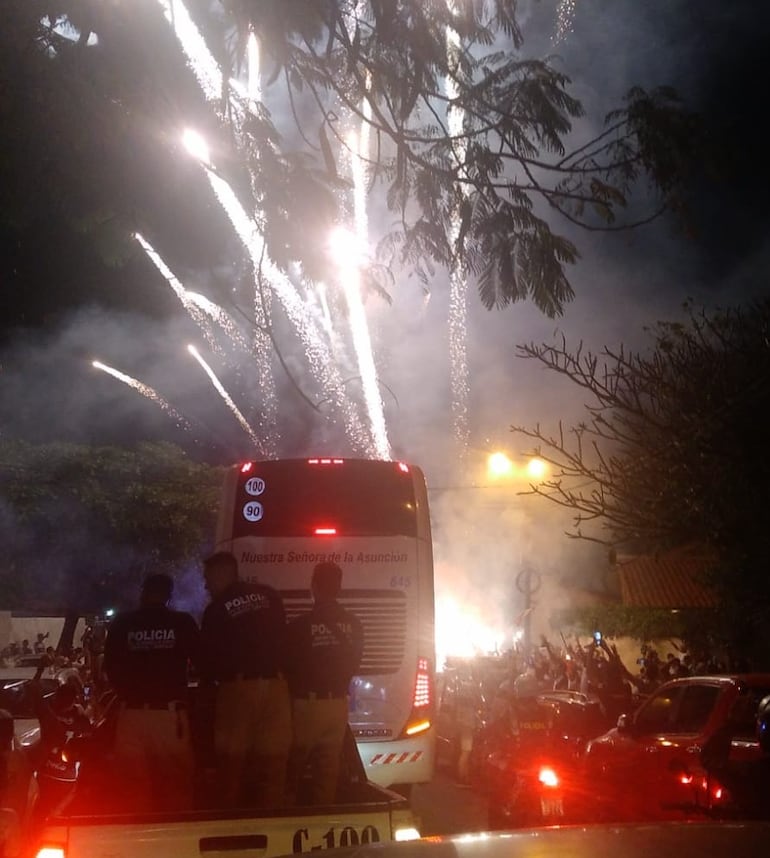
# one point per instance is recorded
(377, 814)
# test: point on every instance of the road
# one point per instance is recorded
(448, 808)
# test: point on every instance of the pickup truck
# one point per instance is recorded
(649, 767)
(364, 813)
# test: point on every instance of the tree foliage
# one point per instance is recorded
(84, 524)
(672, 450)
(473, 139)
(473, 144)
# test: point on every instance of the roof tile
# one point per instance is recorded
(667, 580)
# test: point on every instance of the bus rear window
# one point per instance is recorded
(353, 497)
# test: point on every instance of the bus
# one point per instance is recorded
(280, 517)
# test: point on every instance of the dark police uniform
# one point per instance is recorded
(146, 658)
(242, 634)
(324, 649)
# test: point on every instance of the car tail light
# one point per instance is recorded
(548, 777)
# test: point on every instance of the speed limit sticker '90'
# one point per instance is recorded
(252, 511)
(347, 836)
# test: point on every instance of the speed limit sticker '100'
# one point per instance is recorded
(347, 836)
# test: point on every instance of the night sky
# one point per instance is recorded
(61, 308)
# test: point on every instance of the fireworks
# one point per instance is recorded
(227, 398)
(565, 16)
(144, 390)
(458, 286)
(316, 328)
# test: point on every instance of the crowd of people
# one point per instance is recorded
(244, 709)
(597, 668)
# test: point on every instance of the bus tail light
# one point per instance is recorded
(422, 700)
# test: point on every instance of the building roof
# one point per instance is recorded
(667, 580)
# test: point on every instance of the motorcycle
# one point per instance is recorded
(57, 777)
(534, 775)
(61, 766)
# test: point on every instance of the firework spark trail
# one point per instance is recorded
(203, 65)
(211, 82)
(218, 386)
(200, 308)
(458, 286)
(263, 346)
(144, 390)
(252, 58)
(565, 17)
(318, 354)
(351, 281)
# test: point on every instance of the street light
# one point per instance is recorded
(500, 467)
(536, 468)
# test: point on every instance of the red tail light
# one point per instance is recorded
(548, 777)
(325, 531)
(423, 685)
(246, 467)
(422, 700)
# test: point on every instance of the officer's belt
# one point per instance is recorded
(239, 677)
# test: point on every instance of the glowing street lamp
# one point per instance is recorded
(499, 465)
(536, 468)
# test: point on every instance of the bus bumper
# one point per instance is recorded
(400, 761)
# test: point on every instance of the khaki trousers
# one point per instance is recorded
(252, 736)
(319, 733)
(153, 758)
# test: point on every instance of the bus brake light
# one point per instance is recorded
(325, 531)
(246, 467)
(422, 685)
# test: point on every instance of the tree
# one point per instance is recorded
(473, 143)
(671, 452)
(83, 525)
(471, 140)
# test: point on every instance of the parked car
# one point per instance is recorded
(648, 767)
(15, 698)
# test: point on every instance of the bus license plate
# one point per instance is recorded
(552, 806)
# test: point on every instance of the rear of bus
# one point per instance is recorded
(281, 517)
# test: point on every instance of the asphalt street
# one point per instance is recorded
(448, 808)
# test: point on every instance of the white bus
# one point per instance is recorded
(281, 517)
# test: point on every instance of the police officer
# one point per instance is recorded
(242, 635)
(324, 649)
(147, 654)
